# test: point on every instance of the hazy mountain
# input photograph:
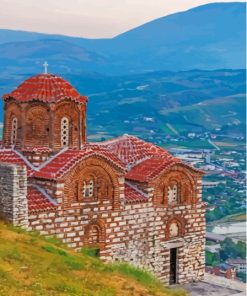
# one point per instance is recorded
(63, 56)
(211, 36)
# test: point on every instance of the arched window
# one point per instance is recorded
(65, 132)
(88, 188)
(14, 126)
(93, 235)
(173, 196)
(173, 230)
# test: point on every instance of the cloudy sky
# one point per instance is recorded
(87, 18)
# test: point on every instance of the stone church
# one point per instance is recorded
(128, 198)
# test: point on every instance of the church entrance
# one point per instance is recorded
(173, 266)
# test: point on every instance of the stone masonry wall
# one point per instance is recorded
(13, 194)
(138, 233)
(135, 233)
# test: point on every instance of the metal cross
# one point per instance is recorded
(46, 67)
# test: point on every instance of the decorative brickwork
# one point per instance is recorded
(38, 106)
(132, 200)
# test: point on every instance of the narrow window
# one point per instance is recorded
(65, 132)
(93, 235)
(88, 188)
(14, 131)
(173, 194)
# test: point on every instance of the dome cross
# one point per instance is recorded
(45, 67)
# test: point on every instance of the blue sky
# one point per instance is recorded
(87, 18)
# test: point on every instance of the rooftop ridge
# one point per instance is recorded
(126, 136)
(28, 163)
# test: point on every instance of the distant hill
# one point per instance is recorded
(63, 56)
(146, 104)
(33, 265)
(207, 37)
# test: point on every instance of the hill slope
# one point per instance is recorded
(32, 265)
(207, 37)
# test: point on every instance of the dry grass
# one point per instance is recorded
(32, 265)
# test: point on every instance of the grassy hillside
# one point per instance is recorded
(32, 265)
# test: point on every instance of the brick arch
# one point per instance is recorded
(180, 222)
(37, 125)
(12, 110)
(70, 110)
(185, 182)
(104, 175)
(95, 233)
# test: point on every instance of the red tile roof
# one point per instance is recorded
(45, 88)
(143, 161)
(150, 168)
(132, 150)
(64, 161)
(38, 201)
(133, 195)
(11, 156)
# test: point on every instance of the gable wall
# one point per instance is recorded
(136, 233)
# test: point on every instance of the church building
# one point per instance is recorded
(128, 198)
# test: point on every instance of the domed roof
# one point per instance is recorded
(45, 88)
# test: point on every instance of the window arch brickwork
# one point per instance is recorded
(95, 234)
(175, 227)
(105, 186)
(70, 112)
(37, 124)
(12, 111)
(174, 188)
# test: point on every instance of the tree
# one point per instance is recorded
(228, 249)
(241, 249)
(211, 258)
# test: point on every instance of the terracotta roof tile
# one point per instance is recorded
(38, 201)
(150, 168)
(63, 162)
(133, 196)
(132, 150)
(45, 88)
(10, 156)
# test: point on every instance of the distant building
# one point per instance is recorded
(212, 184)
(213, 248)
(191, 135)
(239, 264)
(223, 270)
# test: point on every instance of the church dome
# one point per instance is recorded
(46, 88)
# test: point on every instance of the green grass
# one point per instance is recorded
(33, 265)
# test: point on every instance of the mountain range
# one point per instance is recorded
(207, 37)
(158, 103)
